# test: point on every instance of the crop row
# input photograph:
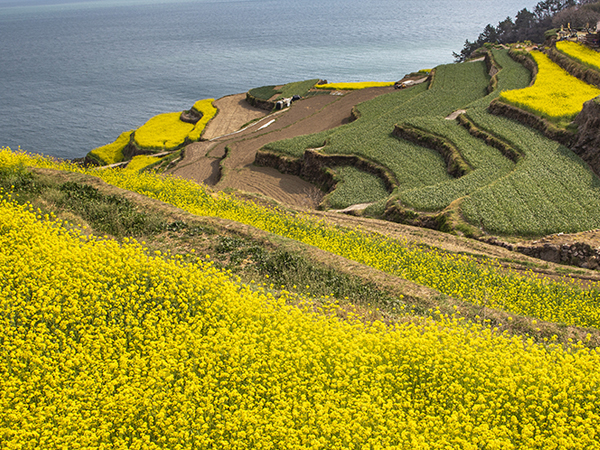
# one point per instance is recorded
(107, 345)
(555, 95)
(580, 53)
(458, 276)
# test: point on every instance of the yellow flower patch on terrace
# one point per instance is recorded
(165, 131)
(111, 346)
(168, 131)
(112, 153)
(208, 111)
(140, 162)
(354, 85)
(580, 53)
(555, 95)
(458, 276)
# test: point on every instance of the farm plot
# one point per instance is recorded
(488, 164)
(551, 190)
(370, 136)
(355, 186)
(424, 183)
(555, 95)
(581, 53)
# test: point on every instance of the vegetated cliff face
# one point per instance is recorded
(587, 141)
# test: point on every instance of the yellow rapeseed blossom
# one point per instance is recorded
(208, 111)
(164, 131)
(139, 162)
(458, 276)
(555, 95)
(113, 153)
(354, 85)
(168, 131)
(580, 53)
(110, 346)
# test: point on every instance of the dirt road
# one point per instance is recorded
(226, 160)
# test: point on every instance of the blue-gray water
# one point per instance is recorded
(73, 76)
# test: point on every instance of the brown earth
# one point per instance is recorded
(233, 113)
(226, 160)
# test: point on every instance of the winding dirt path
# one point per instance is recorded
(234, 112)
(226, 159)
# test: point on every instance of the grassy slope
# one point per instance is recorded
(255, 256)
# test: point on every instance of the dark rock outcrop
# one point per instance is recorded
(191, 116)
(577, 254)
(587, 140)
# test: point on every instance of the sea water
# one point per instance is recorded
(74, 75)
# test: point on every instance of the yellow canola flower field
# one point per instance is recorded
(164, 131)
(580, 53)
(354, 85)
(208, 111)
(141, 161)
(167, 131)
(458, 276)
(555, 95)
(113, 152)
(110, 346)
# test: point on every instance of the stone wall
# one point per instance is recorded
(577, 254)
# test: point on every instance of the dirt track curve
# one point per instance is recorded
(208, 161)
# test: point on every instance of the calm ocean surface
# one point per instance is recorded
(73, 76)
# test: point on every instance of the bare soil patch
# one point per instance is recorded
(287, 189)
(311, 115)
(196, 165)
(235, 153)
(234, 112)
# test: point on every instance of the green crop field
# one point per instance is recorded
(549, 190)
(355, 186)
(370, 135)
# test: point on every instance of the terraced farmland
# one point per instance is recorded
(546, 190)
(555, 95)
(109, 343)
